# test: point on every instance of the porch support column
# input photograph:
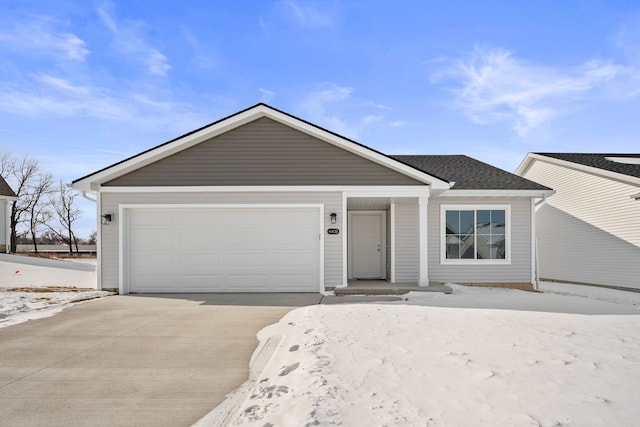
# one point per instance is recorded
(423, 277)
(392, 242)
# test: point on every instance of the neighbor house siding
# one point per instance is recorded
(263, 152)
(518, 271)
(589, 231)
(110, 236)
(407, 243)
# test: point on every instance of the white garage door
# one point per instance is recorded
(223, 250)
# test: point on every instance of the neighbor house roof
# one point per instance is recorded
(5, 190)
(469, 173)
(612, 162)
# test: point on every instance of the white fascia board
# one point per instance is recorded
(497, 193)
(524, 165)
(9, 198)
(531, 157)
(240, 119)
(352, 191)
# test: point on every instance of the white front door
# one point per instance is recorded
(367, 245)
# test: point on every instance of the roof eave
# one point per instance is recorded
(530, 193)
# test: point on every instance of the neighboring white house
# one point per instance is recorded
(262, 201)
(589, 231)
(6, 197)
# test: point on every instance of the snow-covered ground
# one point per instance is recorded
(26, 271)
(480, 357)
(18, 305)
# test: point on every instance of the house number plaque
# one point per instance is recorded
(333, 231)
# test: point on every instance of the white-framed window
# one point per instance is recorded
(475, 234)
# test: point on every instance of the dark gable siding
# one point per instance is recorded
(263, 152)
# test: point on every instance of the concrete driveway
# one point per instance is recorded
(152, 360)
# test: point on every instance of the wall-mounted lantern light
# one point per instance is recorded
(106, 219)
(333, 217)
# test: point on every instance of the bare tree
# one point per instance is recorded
(29, 183)
(63, 203)
(38, 213)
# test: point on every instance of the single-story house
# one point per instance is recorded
(7, 196)
(262, 201)
(589, 231)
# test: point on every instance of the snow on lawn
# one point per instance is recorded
(18, 305)
(478, 357)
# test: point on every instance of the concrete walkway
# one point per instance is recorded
(163, 360)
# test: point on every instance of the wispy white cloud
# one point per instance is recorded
(306, 15)
(334, 107)
(493, 86)
(61, 84)
(42, 34)
(267, 95)
(128, 40)
(45, 95)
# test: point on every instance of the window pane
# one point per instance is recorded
(484, 217)
(453, 247)
(467, 250)
(499, 248)
(498, 222)
(466, 222)
(453, 222)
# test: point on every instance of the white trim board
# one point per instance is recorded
(352, 191)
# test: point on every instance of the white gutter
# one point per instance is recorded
(541, 201)
(84, 195)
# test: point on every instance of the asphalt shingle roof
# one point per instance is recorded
(469, 173)
(5, 190)
(598, 160)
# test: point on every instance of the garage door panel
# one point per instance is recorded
(204, 241)
(158, 263)
(224, 250)
(153, 281)
(152, 218)
(145, 238)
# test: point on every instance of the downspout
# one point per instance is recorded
(98, 239)
(534, 242)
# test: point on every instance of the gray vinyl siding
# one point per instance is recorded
(110, 244)
(589, 231)
(407, 243)
(263, 152)
(518, 271)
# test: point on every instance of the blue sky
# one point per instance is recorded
(84, 84)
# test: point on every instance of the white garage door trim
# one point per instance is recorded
(125, 209)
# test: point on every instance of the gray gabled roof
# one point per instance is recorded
(5, 190)
(599, 160)
(469, 173)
